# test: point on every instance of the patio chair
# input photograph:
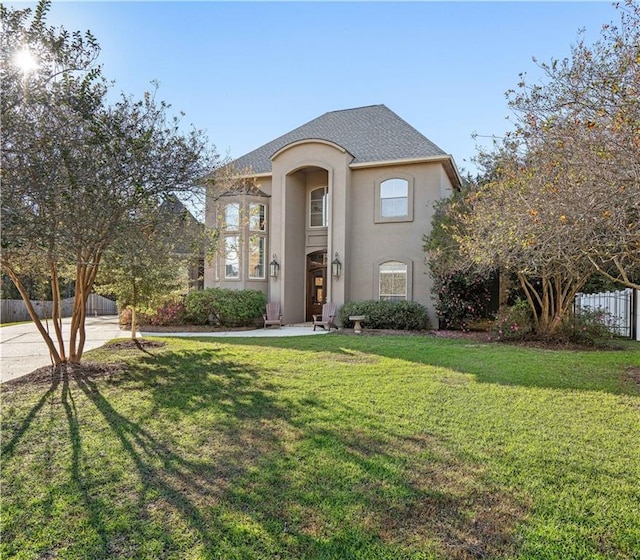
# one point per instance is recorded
(326, 319)
(272, 315)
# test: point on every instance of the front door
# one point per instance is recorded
(316, 283)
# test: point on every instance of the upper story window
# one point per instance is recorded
(232, 216)
(392, 276)
(394, 198)
(318, 207)
(257, 217)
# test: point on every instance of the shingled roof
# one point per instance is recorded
(370, 134)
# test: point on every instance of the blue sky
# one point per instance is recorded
(247, 72)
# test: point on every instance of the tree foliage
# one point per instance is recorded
(75, 168)
(564, 199)
(460, 287)
(150, 258)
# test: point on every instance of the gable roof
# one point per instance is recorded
(370, 134)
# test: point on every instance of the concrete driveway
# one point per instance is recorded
(22, 349)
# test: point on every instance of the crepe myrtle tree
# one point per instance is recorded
(521, 222)
(564, 199)
(75, 168)
(582, 120)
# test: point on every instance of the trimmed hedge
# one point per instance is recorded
(224, 307)
(399, 315)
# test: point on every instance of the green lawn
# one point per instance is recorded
(327, 447)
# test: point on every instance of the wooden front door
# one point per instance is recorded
(316, 283)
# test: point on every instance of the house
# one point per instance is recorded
(334, 210)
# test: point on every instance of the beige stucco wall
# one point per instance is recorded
(296, 170)
(371, 242)
(361, 239)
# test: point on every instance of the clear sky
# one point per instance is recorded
(248, 72)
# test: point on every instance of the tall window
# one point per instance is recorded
(257, 217)
(394, 198)
(232, 216)
(318, 210)
(393, 281)
(257, 257)
(231, 257)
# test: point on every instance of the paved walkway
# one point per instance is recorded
(22, 349)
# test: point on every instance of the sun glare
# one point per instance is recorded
(25, 60)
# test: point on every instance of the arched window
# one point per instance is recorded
(392, 277)
(394, 198)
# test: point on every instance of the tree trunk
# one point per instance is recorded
(56, 312)
(134, 318)
(53, 352)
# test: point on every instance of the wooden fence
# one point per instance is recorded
(14, 310)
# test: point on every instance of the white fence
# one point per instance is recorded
(623, 306)
(14, 310)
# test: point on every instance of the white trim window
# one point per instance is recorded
(318, 207)
(394, 198)
(232, 216)
(257, 260)
(392, 277)
(257, 217)
(232, 257)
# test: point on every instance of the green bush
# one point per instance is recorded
(461, 299)
(171, 312)
(223, 307)
(514, 322)
(401, 315)
(587, 326)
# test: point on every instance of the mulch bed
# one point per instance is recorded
(48, 375)
(189, 328)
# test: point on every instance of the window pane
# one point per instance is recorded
(318, 208)
(232, 216)
(231, 257)
(393, 281)
(394, 198)
(256, 257)
(390, 207)
(257, 217)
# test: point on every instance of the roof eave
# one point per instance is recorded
(446, 159)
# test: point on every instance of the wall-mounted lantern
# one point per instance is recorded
(336, 267)
(274, 267)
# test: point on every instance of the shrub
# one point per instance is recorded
(141, 318)
(224, 307)
(461, 299)
(588, 326)
(402, 315)
(514, 322)
(169, 313)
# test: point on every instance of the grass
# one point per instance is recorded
(329, 447)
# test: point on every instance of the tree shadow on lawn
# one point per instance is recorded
(250, 474)
(502, 364)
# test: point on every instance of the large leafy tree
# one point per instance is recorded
(582, 127)
(75, 169)
(565, 196)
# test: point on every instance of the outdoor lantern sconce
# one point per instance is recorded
(274, 267)
(336, 266)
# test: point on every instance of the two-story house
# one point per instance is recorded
(334, 210)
